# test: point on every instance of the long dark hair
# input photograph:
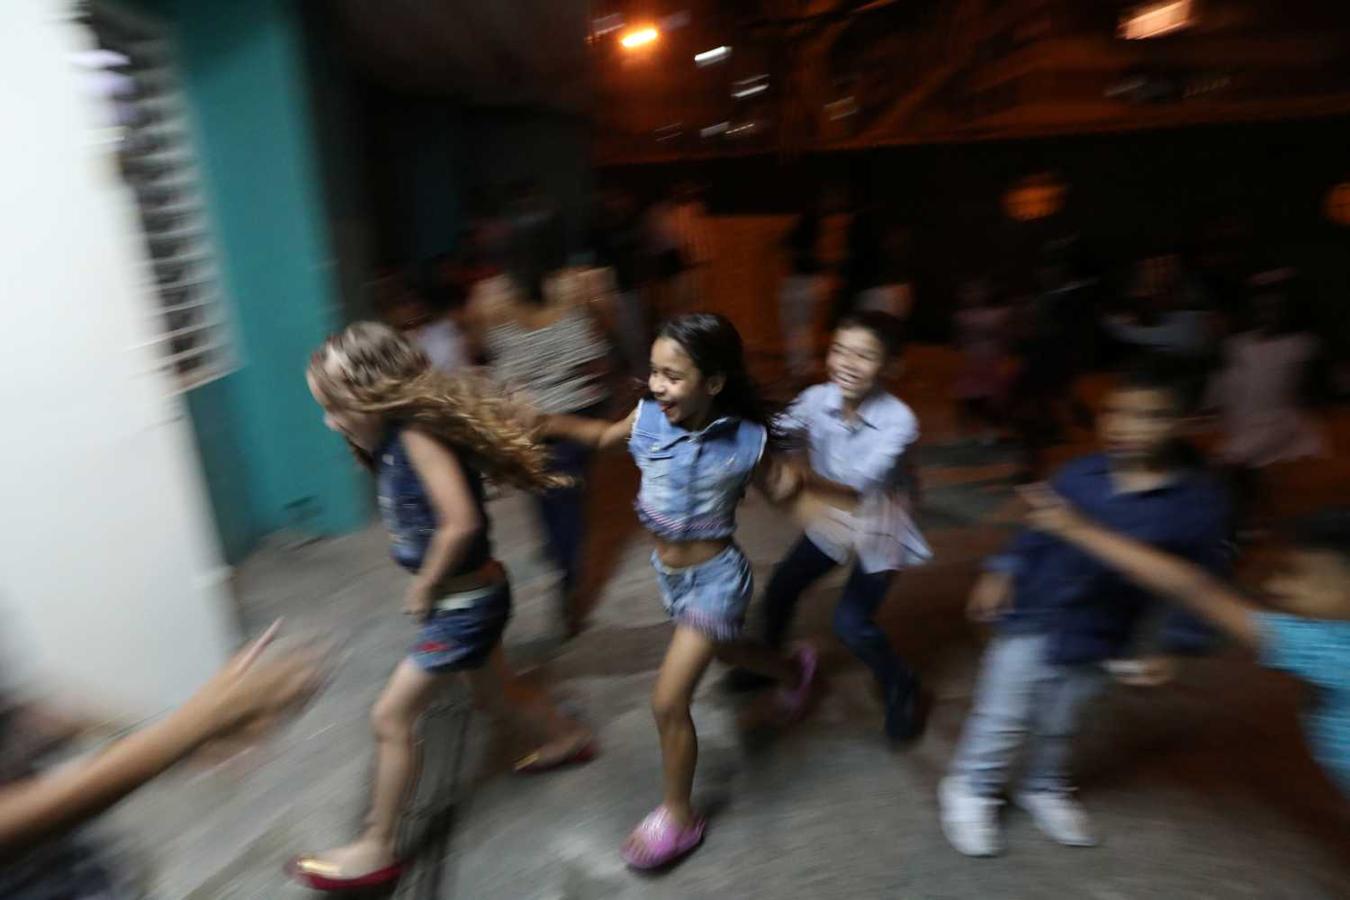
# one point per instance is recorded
(715, 347)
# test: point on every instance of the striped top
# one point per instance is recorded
(552, 365)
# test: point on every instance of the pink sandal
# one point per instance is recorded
(792, 702)
(659, 840)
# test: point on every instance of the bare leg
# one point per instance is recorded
(527, 711)
(408, 694)
(686, 660)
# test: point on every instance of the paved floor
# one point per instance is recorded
(1200, 790)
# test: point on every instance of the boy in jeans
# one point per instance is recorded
(1061, 614)
(855, 437)
(1307, 634)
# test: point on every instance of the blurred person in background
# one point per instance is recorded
(42, 854)
(1172, 316)
(862, 264)
(1261, 394)
(1301, 626)
(430, 441)
(618, 245)
(1060, 617)
(544, 336)
(433, 328)
(893, 293)
(694, 233)
(1054, 328)
(667, 260)
(802, 290)
(982, 335)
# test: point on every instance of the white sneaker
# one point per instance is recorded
(1059, 816)
(969, 821)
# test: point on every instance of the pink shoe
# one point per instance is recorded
(791, 702)
(659, 840)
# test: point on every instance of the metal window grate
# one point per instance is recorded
(135, 70)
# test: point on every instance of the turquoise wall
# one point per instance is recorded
(269, 461)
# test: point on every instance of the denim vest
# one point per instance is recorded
(692, 481)
(407, 512)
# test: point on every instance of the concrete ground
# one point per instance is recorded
(1202, 789)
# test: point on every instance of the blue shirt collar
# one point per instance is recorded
(673, 434)
(867, 410)
(1099, 465)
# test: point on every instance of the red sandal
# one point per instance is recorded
(322, 876)
(530, 764)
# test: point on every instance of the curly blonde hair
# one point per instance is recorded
(370, 368)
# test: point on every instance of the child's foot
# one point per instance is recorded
(1060, 817)
(907, 712)
(576, 748)
(359, 865)
(660, 839)
(792, 701)
(969, 821)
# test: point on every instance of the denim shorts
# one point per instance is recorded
(463, 629)
(711, 597)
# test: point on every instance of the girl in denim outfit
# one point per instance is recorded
(426, 437)
(699, 439)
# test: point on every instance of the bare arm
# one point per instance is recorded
(244, 697)
(1153, 569)
(595, 433)
(457, 515)
(780, 478)
(831, 492)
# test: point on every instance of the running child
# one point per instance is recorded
(857, 439)
(1060, 615)
(699, 439)
(430, 440)
(1306, 632)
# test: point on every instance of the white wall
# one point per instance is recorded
(110, 578)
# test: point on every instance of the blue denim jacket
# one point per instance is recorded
(692, 481)
(1089, 611)
(407, 512)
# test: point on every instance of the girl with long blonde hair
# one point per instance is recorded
(430, 440)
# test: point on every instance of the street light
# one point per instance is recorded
(639, 37)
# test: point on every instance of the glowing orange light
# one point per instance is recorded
(1338, 204)
(1156, 19)
(639, 37)
(1035, 197)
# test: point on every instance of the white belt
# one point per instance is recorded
(464, 599)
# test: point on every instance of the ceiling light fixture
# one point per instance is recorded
(715, 55)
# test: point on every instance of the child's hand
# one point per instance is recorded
(1153, 671)
(1047, 511)
(248, 696)
(783, 479)
(417, 601)
(990, 597)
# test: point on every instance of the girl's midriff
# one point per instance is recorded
(683, 554)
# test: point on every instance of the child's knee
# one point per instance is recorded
(389, 719)
(669, 709)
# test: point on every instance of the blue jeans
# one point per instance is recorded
(854, 617)
(563, 512)
(1021, 699)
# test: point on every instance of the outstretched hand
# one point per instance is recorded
(249, 696)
